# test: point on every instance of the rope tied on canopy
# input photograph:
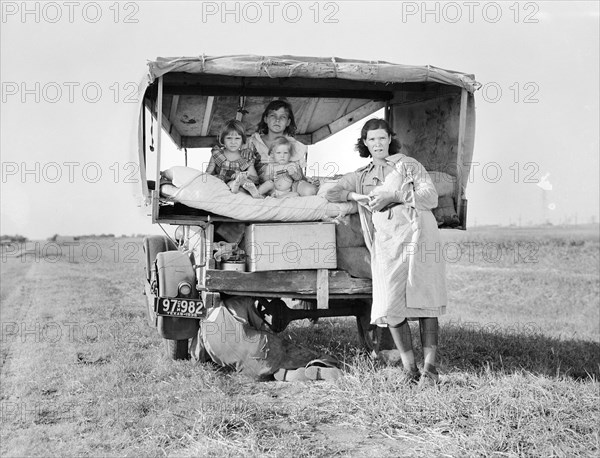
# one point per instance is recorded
(334, 67)
(264, 65)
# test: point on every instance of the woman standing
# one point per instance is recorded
(395, 197)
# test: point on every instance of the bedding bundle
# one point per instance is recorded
(199, 190)
(196, 189)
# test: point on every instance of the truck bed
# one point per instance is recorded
(298, 284)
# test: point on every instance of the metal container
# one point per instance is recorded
(239, 266)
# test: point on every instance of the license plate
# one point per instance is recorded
(187, 308)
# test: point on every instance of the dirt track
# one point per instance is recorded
(60, 320)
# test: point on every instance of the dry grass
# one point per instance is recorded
(544, 281)
(519, 356)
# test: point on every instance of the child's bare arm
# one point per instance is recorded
(295, 171)
(210, 169)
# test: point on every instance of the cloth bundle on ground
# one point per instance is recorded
(234, 335)
(206, 192)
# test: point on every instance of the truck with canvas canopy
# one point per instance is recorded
(269, 249)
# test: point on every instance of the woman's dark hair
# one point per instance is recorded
(275, 105)
(374, 124)
(232, 125)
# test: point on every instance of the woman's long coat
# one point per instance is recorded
(406, 254)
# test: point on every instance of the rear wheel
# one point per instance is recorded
(177, 349)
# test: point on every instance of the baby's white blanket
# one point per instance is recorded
(206, 192)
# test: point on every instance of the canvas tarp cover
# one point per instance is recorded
(446, 156)
(310, 67)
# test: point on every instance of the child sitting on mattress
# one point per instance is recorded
(228, 164)
(280, 177)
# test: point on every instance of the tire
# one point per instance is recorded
(152, 245)
(177, 349)
(150, 315)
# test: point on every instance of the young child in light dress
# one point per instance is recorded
(228, 161)
(280, 177)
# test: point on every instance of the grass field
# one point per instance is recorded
(84, 375)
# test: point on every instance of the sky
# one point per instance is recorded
(68, 110)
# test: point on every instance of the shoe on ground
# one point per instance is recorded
(322, 369)
(291, 375)
(410, 377)
(428, 379)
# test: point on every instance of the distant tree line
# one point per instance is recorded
(4, 239)
(13, 238)
(58, 237)
(95, 236)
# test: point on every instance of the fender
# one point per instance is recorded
(152, 245)
(172, 268)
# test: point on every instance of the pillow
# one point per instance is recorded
(180, 176)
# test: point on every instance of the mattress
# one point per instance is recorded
(196, 189)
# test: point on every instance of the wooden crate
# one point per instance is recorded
(290, 246)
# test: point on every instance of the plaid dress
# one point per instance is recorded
(226, 170)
